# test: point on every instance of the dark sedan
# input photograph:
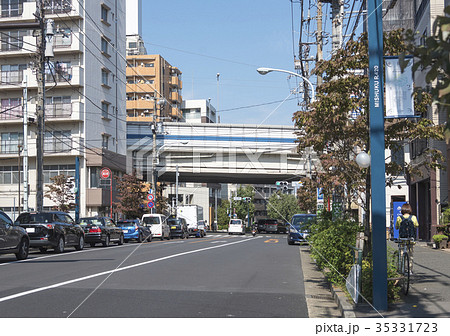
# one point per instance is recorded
(101, 230)
(178, 228)
(133, 229)
(52, 229)
(13, 239)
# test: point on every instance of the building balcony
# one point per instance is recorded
(176, 81)
(23, 12)
(71, 76)
(140, 104)
(68, 44)
(54, 9)
(140, 88)
(64, 111)
(11, 80)
(22, 48)
(140, 71)
(175, 96)
(67, 146)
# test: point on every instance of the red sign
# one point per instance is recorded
(105, 173)
(150, 204)
(150, 197)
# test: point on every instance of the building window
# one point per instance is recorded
(57, 141)
(132, 45)
(12, 40)
(105, 140)
(12, 7)
(58, 107)
(105, 77)
(149, 65)
(10, 175)
(55, 170)
(104, 14)
(104, 46)
(10, 142)
(12, 73)
(11, 108)
(105, 110)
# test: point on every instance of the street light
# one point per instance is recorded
(363, 160)
(265, 71)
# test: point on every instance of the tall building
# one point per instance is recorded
(135, 43)
(84, 100)
(153, 88)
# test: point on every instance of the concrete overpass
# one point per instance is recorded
(217, 153)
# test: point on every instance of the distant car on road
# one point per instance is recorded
(101, 230)
(236, 226)
(158, 225)
(13, 239)
(51, 229)
(299, 228)
(133, 229)
(178, 228)
(267, 225)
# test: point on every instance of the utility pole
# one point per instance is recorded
(40, 106)
(319, 38)
(337, 17)
(25, 145)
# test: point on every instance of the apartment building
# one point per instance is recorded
(84, 99)
(428, 191)
(153, 89)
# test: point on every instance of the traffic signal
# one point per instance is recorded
(283, 185)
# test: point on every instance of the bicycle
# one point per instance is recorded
(404, 262)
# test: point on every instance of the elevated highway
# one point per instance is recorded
(217, 153)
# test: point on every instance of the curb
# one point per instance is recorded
(341, 299)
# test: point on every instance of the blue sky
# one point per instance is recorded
(233, 38)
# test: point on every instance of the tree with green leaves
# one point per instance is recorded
(132, 196)
(241, 208)
(336, 126)
(61, 192)
(282, 206)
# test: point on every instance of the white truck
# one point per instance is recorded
(193, 214)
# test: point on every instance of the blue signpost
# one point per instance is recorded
(377, 168)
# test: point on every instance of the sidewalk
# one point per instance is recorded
(429, 292)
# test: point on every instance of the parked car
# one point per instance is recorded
(158, 225)
(267, 225)
(101, 230)
(51, 229)
(133, 229)
(299, 228)
(236, 226)
(178, 228)
(13, 239)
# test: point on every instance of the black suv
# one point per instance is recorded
(13, 239)
(178, 227)
(101, 230)
(52, 229)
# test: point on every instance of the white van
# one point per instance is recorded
(158, 225)
(236, 226)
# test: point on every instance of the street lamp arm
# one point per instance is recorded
(265, 71)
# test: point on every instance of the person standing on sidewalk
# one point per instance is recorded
(403, 221)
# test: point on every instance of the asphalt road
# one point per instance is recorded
(216, 276)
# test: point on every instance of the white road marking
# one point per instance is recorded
(60, 284)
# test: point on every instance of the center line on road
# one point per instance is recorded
(60, 284)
